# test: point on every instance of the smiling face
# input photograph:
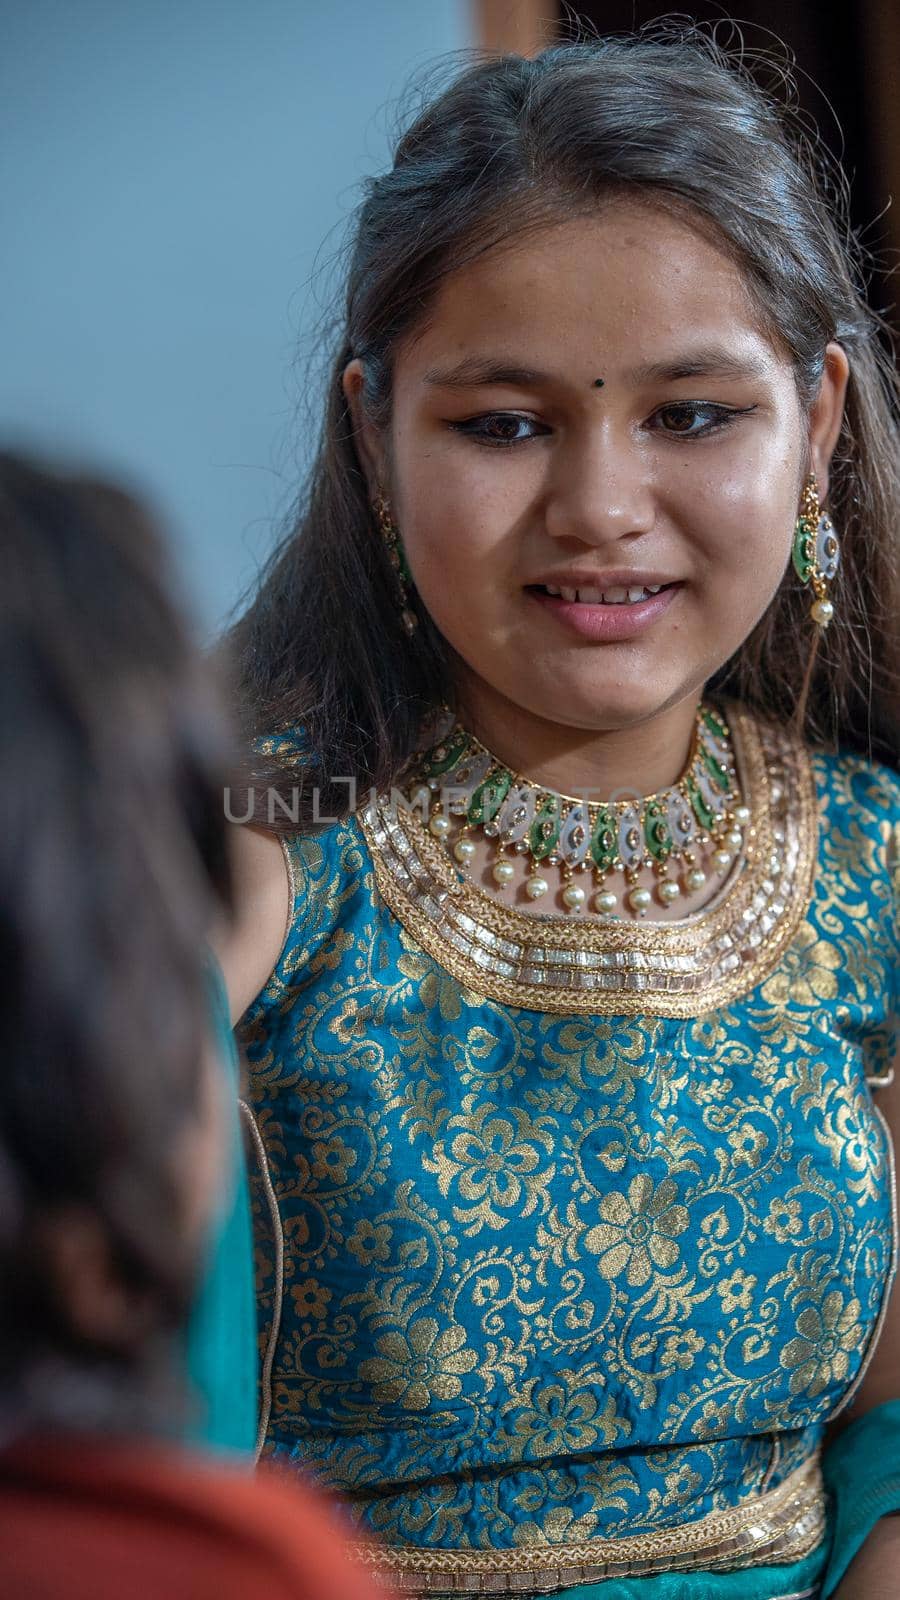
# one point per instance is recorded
(513, 474)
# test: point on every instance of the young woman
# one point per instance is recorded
(575, 713)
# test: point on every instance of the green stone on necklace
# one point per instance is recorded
(608, 840)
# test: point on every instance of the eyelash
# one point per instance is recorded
(721, 417)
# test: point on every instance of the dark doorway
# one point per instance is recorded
(848, 82)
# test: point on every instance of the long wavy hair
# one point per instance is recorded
(670, 117)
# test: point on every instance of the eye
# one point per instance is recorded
(499, 428)
(691, 419)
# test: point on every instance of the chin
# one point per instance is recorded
(606, 708)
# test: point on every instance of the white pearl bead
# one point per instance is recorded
(822, 612)
(573, 896)
(439, 826)
(535, 887)
(696, 878)
(668, 891)
(639, 900)
(503, 871)
(464, 850)
(733, 840)
(741, 815)
(605, 901)
(722, 860)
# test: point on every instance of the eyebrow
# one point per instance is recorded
(480, 371)
(706, 361)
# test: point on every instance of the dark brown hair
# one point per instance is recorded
(670, 118)
(112, 863)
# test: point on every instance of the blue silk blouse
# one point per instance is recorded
(571, 1239)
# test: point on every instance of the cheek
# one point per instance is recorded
(741, 517)
(461, 519)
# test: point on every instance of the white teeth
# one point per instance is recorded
(617, 596)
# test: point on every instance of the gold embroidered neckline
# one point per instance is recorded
(558, 963)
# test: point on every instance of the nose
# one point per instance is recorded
(601, 490)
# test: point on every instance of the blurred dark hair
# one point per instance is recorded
(669, 117)
(112, 866)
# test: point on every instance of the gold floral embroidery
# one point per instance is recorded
(784, 1219)
(311, 1299)
(412, 1369)
(747, 1144)
(369, 1244)
(494, 1164)
(638, 1230)
(827, 1336)
(736, 1292)
(681, 1349)
(807, 975)
(563, 1416)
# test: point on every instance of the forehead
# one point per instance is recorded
(620, 287)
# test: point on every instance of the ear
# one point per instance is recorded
(827, 414)
(366, 437)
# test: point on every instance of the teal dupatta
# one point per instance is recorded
(798, 1581)
(221, 1343)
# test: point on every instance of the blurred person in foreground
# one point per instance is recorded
(116, 1125)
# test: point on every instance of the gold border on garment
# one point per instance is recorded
(554, 963)
(783, 1525)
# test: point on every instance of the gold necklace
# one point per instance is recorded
(460, 778)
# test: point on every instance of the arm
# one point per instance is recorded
(874, 1574)
(249, 948)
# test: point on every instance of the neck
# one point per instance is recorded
(644, 757)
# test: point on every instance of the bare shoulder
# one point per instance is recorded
(250, 948)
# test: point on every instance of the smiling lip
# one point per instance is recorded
(607, 622)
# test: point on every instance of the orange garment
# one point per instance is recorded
(90, 1519)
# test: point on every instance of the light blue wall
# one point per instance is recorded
(169, 170)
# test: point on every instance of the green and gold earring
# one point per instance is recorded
(816, 551)
(391, 536)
